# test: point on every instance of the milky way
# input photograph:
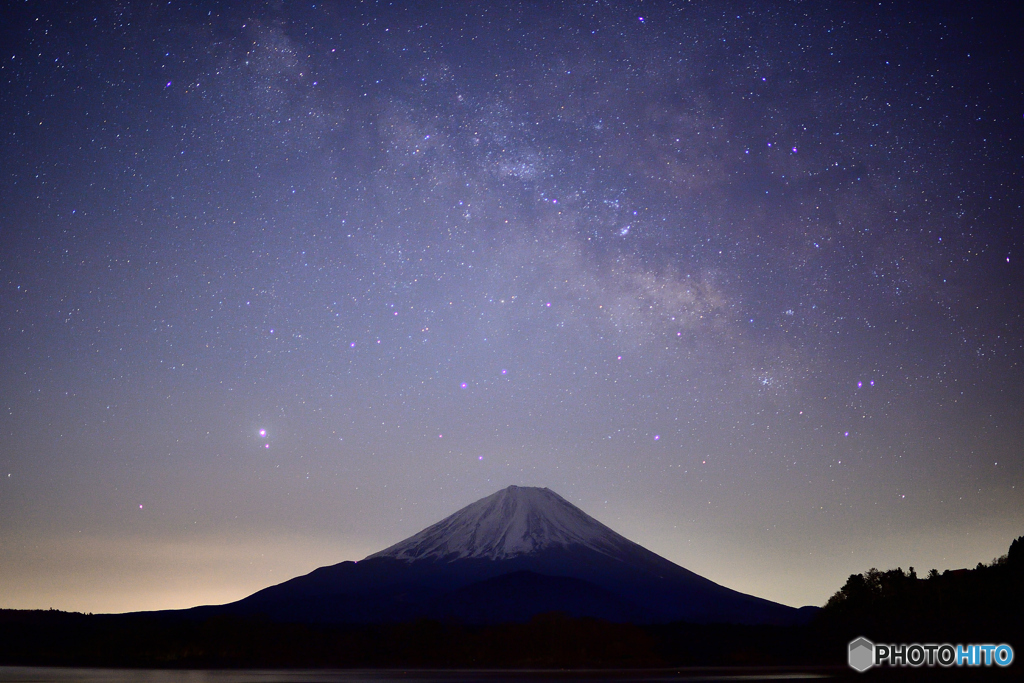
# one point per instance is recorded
(281, 285)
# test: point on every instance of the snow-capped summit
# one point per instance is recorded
(515, 521)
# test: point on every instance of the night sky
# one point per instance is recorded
(283, 284)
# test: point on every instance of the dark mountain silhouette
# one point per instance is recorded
(510, 556)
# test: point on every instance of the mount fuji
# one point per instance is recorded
(517, 553)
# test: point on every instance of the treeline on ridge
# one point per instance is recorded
(983, 604)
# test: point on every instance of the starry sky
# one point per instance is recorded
(282, 284)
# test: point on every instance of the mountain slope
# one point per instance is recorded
(514, 554)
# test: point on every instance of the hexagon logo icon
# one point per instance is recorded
(861, 654)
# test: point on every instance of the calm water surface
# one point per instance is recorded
(10, 674)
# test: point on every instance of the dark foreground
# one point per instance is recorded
(78, 675)
(836, 673)
(568, 649)
(551, 640)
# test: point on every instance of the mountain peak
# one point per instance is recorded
(518, 520)
(519, 552)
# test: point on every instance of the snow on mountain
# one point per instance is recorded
(515, 521)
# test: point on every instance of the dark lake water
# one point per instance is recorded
(79, 675)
